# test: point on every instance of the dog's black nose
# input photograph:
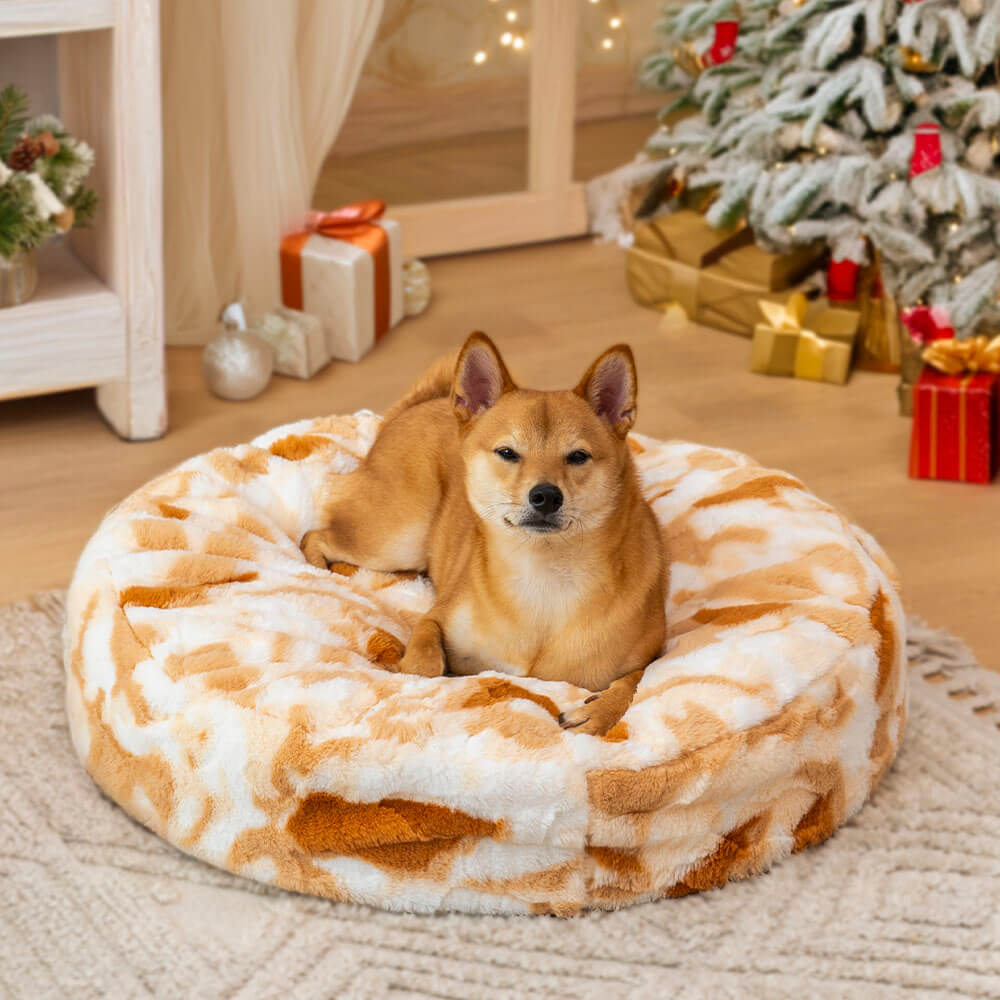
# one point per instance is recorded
(545, 498)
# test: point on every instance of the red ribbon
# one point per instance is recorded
(355, 224)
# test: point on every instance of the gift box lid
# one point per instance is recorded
(774, 271)
(686, 237)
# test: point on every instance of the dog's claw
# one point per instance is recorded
(566, 724)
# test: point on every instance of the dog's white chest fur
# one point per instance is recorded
(539, 600)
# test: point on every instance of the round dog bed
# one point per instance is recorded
(232, 697)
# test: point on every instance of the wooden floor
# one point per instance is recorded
(469, 166)
(552, 309)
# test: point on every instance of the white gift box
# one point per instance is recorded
(298, 339)
(335, 279)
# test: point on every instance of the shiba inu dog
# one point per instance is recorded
(524, 509)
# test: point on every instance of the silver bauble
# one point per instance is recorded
(237, 364)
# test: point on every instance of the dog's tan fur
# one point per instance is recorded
(575, 594)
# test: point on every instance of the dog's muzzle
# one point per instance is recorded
(540, 523)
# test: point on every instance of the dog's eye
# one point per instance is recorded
(577, 457)
(507, 454)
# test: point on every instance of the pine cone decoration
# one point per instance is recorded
(24, 154)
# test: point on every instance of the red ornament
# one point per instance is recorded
(724, 45)
(842, 281)
(927, 323)
(926, 148)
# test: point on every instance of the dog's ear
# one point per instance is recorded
(481, 377)
(610, 387)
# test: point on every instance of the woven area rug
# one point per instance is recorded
(903, 902)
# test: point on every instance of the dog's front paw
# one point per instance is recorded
(315, 549)
(422, 657)
(596, 715)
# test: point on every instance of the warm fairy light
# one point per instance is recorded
(518, 42)
(957, 279)
(511, 16)
(615, 22)
(506, 38)
(606, 43)
(479, 58)
(822, 150)
(595, 1)
(953, 228)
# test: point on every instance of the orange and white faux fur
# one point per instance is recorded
(230, 696)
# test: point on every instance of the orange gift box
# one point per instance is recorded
(955, 421)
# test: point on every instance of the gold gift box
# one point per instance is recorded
(686, 237)
(706, 297)
(773, 271)
(657, 281)
(717, 278)
(806, 341)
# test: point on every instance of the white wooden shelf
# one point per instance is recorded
(97, 318)
(71, 333)
(50, 17)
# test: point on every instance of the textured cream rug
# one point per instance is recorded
(903, 902)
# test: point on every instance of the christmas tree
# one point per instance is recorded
(859, 122)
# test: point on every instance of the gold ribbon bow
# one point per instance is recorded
(786, 317)
(958, 357)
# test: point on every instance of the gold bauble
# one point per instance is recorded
(914, 62)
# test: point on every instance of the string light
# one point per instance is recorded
(511, 15)
(953, 228)
(957, 279)
(822, 150)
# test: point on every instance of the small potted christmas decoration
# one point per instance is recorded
(42, 169)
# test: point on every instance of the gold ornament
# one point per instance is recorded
(64, 220)
(48, 142)
(689, 59)
(914, 62)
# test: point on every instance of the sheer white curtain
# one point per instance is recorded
(254, 93)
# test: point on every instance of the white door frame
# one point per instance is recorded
(554, 205)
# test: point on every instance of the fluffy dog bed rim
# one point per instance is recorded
(464, 793)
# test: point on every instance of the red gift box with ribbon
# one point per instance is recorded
(346, 267)
(956, 411)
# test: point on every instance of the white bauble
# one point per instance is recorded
(416, 287)
(979, 154)
(237, 364)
